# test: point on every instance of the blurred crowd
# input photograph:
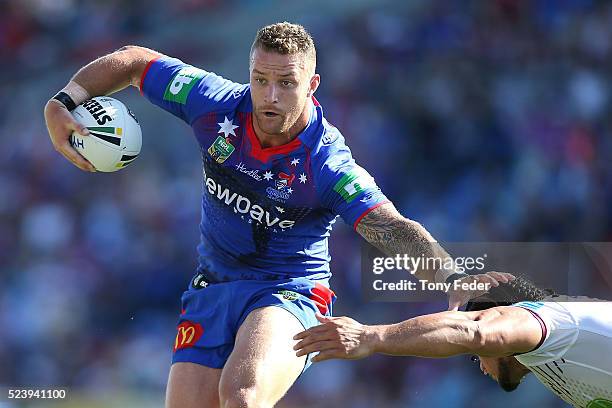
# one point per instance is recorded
(483, 120)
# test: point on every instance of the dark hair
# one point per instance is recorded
(518, 290)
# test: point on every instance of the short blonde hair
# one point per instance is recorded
(286, 38)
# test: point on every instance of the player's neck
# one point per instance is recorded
(279, 139)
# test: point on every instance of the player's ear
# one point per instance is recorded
(314, 84)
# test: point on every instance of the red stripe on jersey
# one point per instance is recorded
(366, 212)
(264, 154)
(144, 73)
(314, 100)
(322, 296)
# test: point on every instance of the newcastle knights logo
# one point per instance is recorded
(284, 180)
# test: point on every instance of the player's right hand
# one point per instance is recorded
(335, 337)
(61, 124)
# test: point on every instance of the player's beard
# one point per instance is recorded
(275, 125)
(279, 124)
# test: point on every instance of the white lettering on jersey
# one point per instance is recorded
(178, 83)
(243, 205)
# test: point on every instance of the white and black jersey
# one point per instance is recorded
(574, 359)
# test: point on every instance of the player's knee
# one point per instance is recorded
(231, 397)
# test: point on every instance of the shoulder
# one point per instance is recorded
(327, 145)
(559, 327)
(180, 81)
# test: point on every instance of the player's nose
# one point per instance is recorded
(271, 95)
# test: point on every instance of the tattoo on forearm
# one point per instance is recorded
(390, 232)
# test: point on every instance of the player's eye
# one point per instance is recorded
(286, 83)
(260, 81)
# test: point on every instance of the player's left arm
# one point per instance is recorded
(350, 191)
(392, 233)
(495, 332)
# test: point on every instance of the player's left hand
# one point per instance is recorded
(457, 298)
(335, 337)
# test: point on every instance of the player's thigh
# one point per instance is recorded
(263, 364)
(192, 385)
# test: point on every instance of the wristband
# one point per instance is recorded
(444, 275)
(65, 100)
(456, 276)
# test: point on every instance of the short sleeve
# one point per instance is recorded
(186, 91)
(344, 187)
(560, 332)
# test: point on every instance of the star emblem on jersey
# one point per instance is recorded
(295, 162)
(303, 178)
(227, 127)
(279, 209)
(268, 175)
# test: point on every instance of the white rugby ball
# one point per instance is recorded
(114, 139)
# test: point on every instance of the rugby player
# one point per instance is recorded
(513, 330)
(276, 175)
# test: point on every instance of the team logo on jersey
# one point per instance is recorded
(180, 85)
(188, 333)
(221, 149)
(353, 183)
(278, 195)
(282, 186)
(284, 180)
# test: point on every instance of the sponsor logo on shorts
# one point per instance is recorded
(188, 333)
(180, 85)
(199, 282)
(288, 295)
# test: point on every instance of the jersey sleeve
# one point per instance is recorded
(343, 186)
(561, 331)
(186, 91)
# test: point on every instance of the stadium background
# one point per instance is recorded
(484, 120)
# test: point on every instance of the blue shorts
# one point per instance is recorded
(212, 313)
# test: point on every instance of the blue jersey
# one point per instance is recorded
(266, 212)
